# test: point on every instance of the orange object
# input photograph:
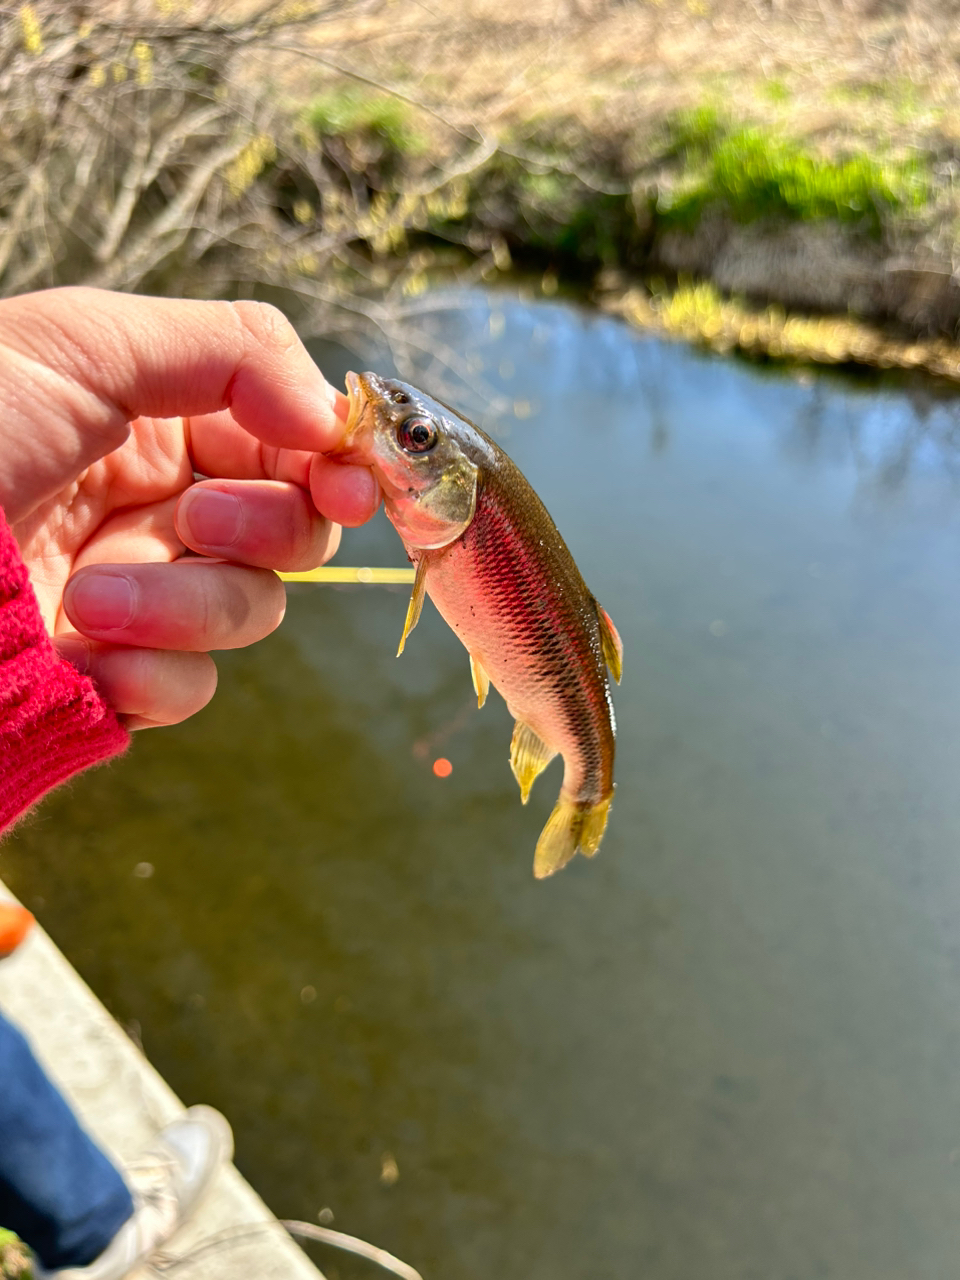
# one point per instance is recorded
(15, 923)
(442, 767)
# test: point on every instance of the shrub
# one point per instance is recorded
(751, 173)
(351, 111)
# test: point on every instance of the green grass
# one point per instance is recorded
(753, 173)
(776, 90)
(343, 112)
(14, 1260)
(696, 134)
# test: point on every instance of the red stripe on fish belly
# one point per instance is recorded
(511, 591)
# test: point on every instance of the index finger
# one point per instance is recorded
(96, 360)
(220, 448)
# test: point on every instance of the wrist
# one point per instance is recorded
(53, 723)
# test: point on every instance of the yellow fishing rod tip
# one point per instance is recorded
(337, 573)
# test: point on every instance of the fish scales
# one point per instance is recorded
(495, 565)
(511, 591)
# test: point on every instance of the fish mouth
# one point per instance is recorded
(357, 441)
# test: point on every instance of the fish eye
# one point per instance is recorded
(399, 397)
(417, 435)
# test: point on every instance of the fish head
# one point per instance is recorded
(423, 454)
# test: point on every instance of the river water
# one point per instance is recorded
(729, 1047)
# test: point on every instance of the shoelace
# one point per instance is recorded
(152, 1181)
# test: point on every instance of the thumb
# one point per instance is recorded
(78, 365)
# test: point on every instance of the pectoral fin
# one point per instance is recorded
(481, 681)
(416, 602)
(611, 642)
(529, 756)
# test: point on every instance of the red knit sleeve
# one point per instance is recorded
(53, 723)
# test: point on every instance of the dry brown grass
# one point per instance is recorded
(603, 77)
(890, 72)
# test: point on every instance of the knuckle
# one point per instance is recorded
(265, 324)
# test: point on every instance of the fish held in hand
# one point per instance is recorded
(493, 562)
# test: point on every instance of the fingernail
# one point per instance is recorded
(211, 518)
(101, 601)
(75, 650)
(341, 405)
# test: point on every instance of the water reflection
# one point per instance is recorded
(889, 428)
(727, 1047)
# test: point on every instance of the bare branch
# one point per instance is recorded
(170, 227)
(145, 165)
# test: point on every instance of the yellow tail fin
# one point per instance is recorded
(594, 825)
(570, 827)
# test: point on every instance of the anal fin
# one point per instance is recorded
(529, 756)
(611, 642)
(481, 681)
(416, 601)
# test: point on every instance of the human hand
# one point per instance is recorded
(109, 405)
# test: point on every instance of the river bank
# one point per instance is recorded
(798, 157)
(776, 180)
(801, 159)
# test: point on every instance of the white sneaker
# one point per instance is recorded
(166, 1183)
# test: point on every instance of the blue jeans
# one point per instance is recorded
(58, 1191)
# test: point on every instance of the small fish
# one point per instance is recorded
(494, 564)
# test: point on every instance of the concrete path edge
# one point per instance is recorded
(122, 1101)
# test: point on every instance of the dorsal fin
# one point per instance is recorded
(611, 642)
